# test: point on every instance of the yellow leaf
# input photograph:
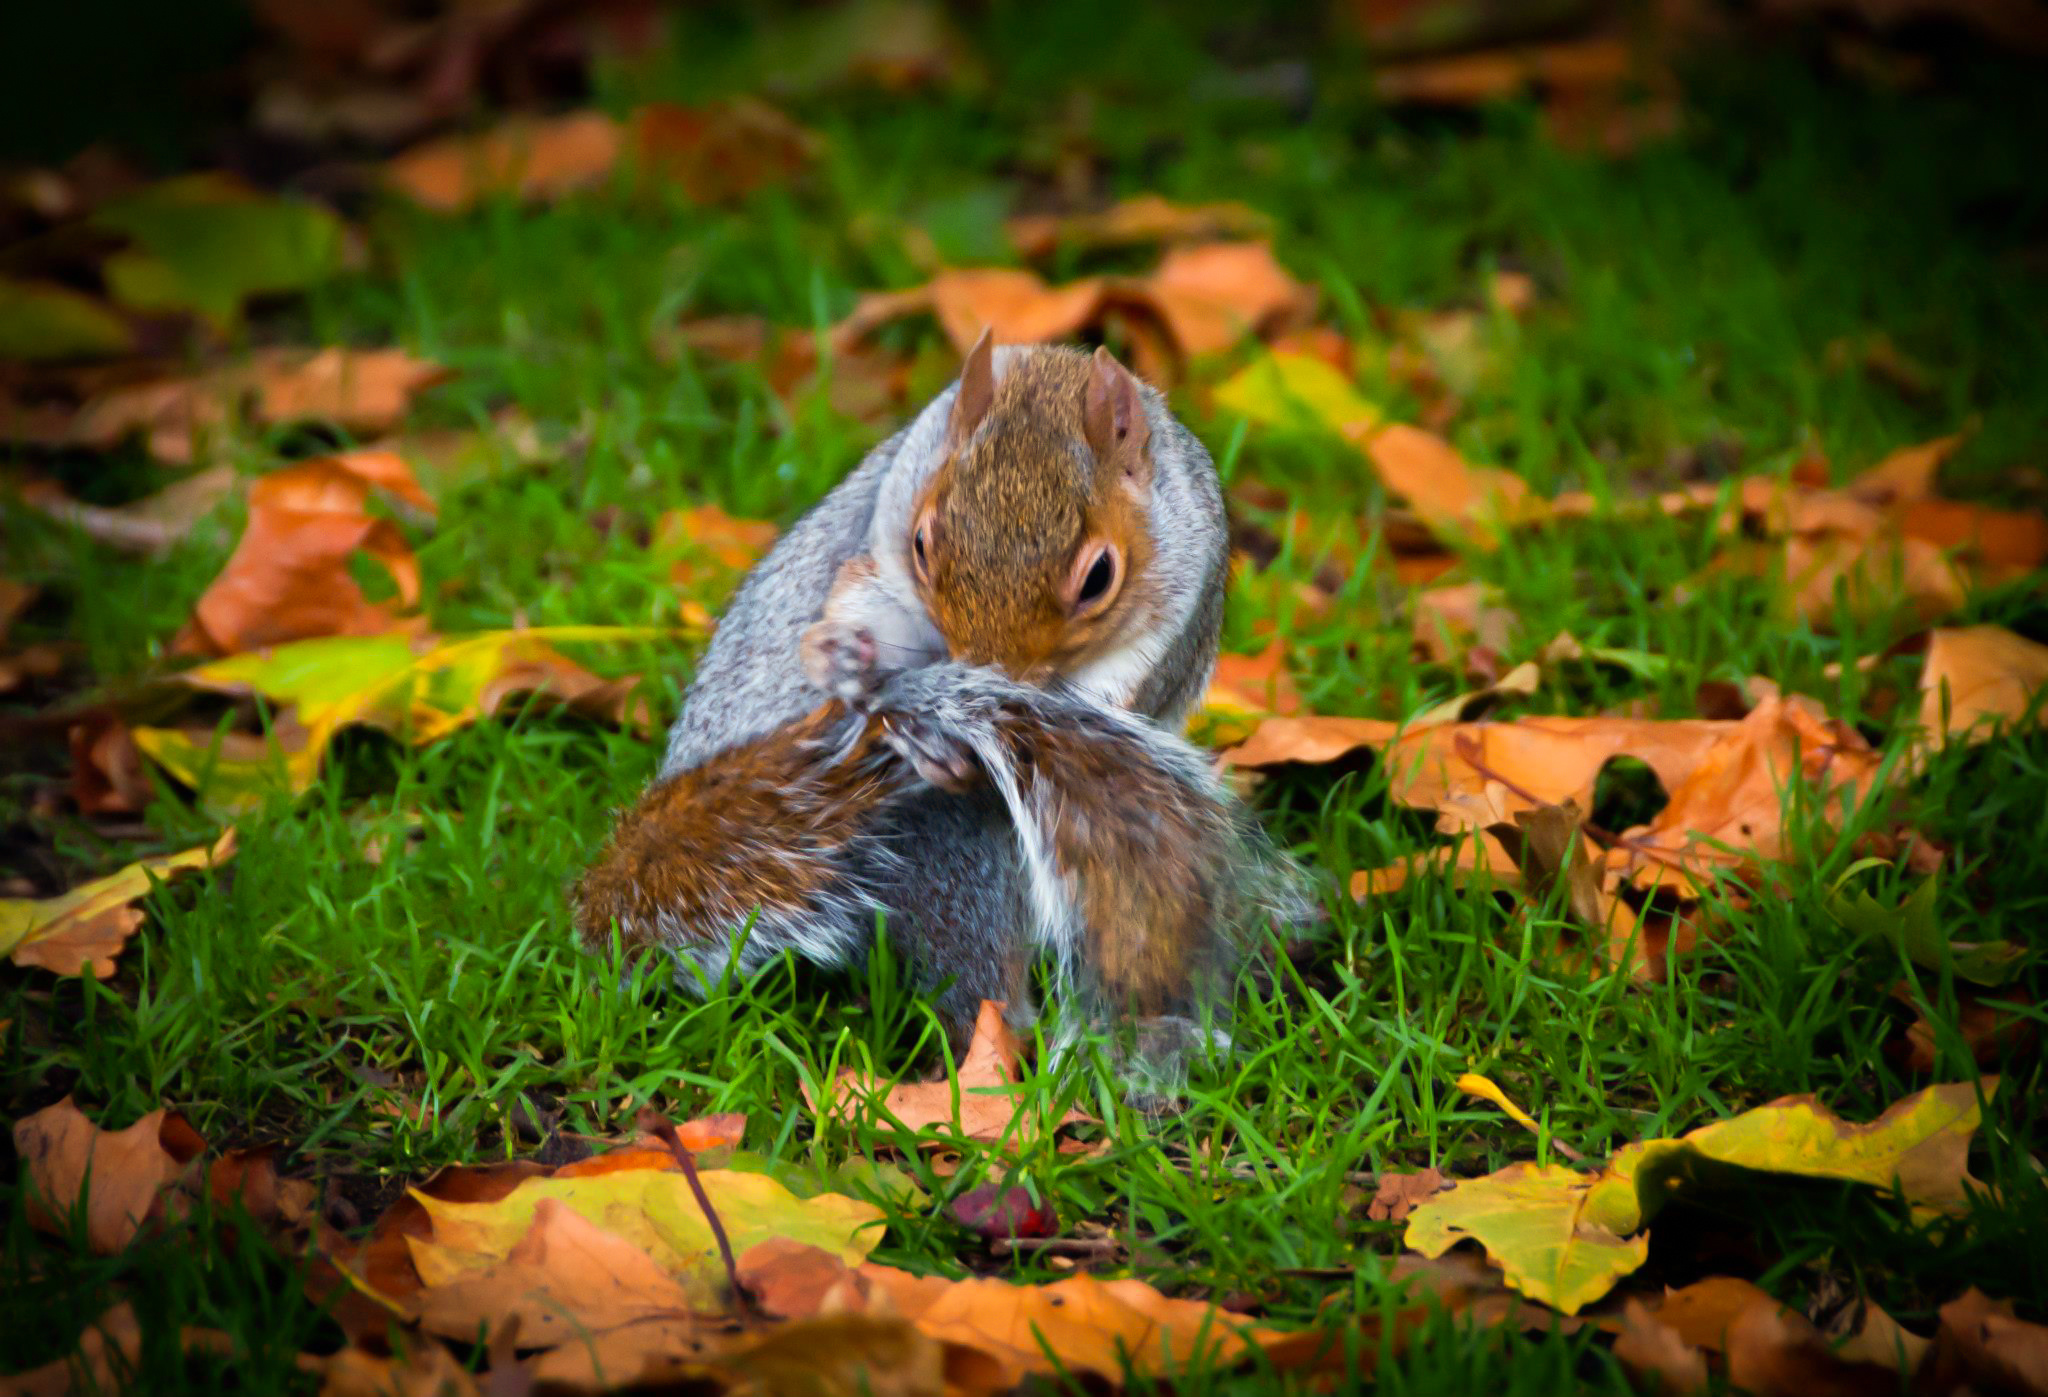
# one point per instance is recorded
(1299, 391)
(30, 930)
(1565, 1237)
(655, 1211)
(419, 689)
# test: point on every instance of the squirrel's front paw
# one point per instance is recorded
(933, 753)
(840, 659)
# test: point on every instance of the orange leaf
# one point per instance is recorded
(364, 391)
(736, 544)
(1216, 294)
(1978, 679)
(1312, 739)
(1144, 218)
(1254, 683)
(130, 1170)
(1456, 499)
(532, 159)
(288, 578)
(721, 150)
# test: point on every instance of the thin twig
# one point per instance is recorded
(1093, 1248)
(656, 1124)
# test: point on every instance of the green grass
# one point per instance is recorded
(1690, 295)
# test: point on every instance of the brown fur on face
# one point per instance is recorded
(1013, 506)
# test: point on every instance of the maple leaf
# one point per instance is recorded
(1977, 680)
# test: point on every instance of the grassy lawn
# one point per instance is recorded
(384, 1016)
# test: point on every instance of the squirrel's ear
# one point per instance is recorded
(1113, 417)
(977, 391)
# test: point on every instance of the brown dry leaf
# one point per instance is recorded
(426, 1370)
(1551, 846)
(1877, 1338)
(530, 158)
(1778, 1353)
(734, 544)
(251, 1178)
(1216, 294)
(1981, 1343)
(362, 390)
(1702, 1313)
(1493, 74)
(1457, 500)
(1656, 1355)
(1090, 1326)
(986, 1109)
(1736, 795)
(1017, 305)
(44, 660)
(1395, 1195)
(1451, 619)
(1206, 298)
(1977, 680)
(85, 928)
(106, 1356)
(1254, 683)
(15, 598)
(288, 578)
(1313, 739)
(718, 151)
(107, 776)
(1460, 862)
(1144, 218)
(153, 524)
(130, 1171)
(1989, 1032)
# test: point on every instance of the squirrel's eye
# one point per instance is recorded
(1101, 576)
(919, 551)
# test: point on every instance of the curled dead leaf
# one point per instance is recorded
(127, 1179)
(84, 929)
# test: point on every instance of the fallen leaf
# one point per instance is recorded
(1775, 1352)
(1914, 928)
(364, 391)
(1213, 295)
(1144, 218)
(15, 598)
(1300, 392)
(1990, 1031)
(419, 687)
(1018, 306)
(250, 1178)
(1492, 75)
(654, 1211)
(1253, 683)
(1978, 680)
(1451, 619)
(1702, 1313)
(1877, 1338)
(1730, 809)
(122, 1175)
(424, 1370)
(208, 243)
(720, 150)
(85, 928)
(980, 1097)
(154, 524)
(1457, 500)
(1311, 740)
(1656, 1355)
(1550, 845)
(107, 777)
(288, 578)
(41, 320)
(1981, 1343)
(1395, 1195)
(108, 1354)
(531, 159)
(566, 1276)
(734, 544)
(1565, 1238)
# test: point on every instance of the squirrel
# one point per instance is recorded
(949, 694)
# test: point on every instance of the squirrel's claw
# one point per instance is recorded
(936, 756)
(840, 659)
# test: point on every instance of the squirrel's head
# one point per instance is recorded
(1031, 547)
